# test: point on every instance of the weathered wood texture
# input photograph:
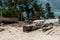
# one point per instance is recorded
(9, 20)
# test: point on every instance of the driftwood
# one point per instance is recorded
(30, 28)
(25, 28)
(49, 32)
(1, 24)
(1, 29)
(3, 19)
(47, 28)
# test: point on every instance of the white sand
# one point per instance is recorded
(16, 33)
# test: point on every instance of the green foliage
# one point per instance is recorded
(15, 9)
(48, 6)
(4, 11)
(50, 14)
(0, 2)
(59, 16)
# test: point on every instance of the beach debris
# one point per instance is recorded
(47, 28)
(2, 29)
(36, 24)
(1, 24)
(49, 32)
(27, 28)
(9, 31)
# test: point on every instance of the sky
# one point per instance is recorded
(55, 5)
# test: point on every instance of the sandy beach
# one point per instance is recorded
(16, 33)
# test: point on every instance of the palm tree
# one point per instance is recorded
(0, 3)
(33, 15)
(4, 11)
(15, 3)
(26, 3)
(50, 14)
(1, 10)
(10, 3)
(39, 10)
(48, 7)
(20, 13)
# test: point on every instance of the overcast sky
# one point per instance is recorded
(55, 5)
